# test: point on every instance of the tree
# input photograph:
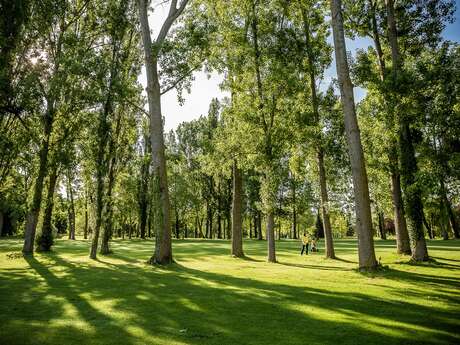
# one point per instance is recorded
(163, 249)
(367, 260)
(237, 224)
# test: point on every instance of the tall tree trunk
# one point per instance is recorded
(71, 208)
(443, 219)
(402, 236)
(219, 213)
(237, 220)
(409, 167)
(34, 209)
(452, 218)
(108, 211)
(329, 245)
(428, 227)
(328, 241)
(367, 260)
(85, 229)
(294, 209)
(259, 225)
(100, 173)
(271, 237)
(176, 224)
(381, 217)
(2, 222)
(163, 248)
(46, 238)
(294, 222)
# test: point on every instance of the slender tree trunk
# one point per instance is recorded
(163, 249)
(271, 237)
(294, 222)
(294, 210)
(219, 215)
(367, 260)
(259, 225)
(428, 227)
(108, 214)
(402, 236)
(2, 222)
(453, 221)
(443, 221)
(71, 209)
(329, 245)
(46, 238)
(100, 173)
(176, 224)
(85, 229)
(328, 241)
(407, 156)
(381, 217)
(237, 220)
(34, 209)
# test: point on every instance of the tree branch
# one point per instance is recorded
(182, 77)
(174, 12)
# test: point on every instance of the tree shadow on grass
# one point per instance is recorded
(447, 259)
(315, 267)
(131, 304)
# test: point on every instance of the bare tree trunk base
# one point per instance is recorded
(163, 262)
(403, 251)
(419, 251)
(105, 251)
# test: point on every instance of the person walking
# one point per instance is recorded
(305, 242)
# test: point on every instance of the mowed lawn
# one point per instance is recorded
(208, 297)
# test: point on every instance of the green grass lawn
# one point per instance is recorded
(208, 297)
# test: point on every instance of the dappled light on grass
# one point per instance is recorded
(208, 297)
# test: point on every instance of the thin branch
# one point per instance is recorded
(178, 80)
(142, 110)
(172, 16)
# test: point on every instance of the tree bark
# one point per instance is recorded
(428, 227)
(46, 237)
(100, 173)
(329, 245)
(143, 188)
(402, 236)
(294, 209)
(328, 241)
(237, 220)
(409, 167)
(34, 210)
(381, 218)
(71, 209)
(85, 229)
(219, 213)
(163, 249)
(367, 260)
(271, 237)
(452, 219)
(259, 225)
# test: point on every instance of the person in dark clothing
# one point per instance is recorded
(305, 242)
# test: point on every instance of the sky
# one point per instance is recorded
(206, 87)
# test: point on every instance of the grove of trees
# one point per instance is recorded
(83, 149)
